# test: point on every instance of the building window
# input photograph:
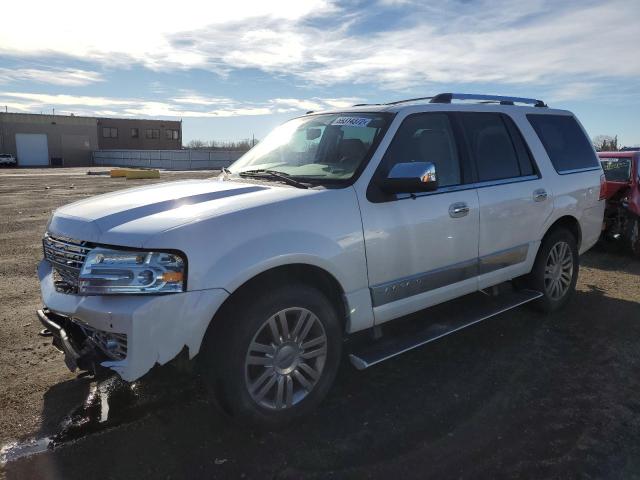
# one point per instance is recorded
(172, 134)
(153, 133)
(135, 133)
(108, 132)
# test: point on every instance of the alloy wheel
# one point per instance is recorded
(285, 358)
(558, 271)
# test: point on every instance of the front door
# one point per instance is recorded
(421, 249)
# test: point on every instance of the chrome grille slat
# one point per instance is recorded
(67, 257)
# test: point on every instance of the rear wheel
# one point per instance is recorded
(555, 271)
(633, 235)
(274, 357)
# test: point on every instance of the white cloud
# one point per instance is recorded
(196, 99)
(193, 105)
(516, 43)
(69, 77)
(298, 104)
(126, 31)
(48, 99)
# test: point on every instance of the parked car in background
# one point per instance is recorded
(622, 192)
(338, 222)
(7, 160)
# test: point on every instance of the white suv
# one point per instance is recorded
(336, 223)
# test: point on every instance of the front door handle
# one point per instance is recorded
(540, 195)
(458, 209)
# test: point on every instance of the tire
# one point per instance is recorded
(267, 378)
(557, 284)
(633, 235)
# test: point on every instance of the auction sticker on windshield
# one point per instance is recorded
(352, 121)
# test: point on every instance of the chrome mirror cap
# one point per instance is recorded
(411, 177)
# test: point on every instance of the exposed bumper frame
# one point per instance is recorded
(79, 351)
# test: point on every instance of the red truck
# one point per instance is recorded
(622, 193)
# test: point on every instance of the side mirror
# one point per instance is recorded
(313, 133)
(411, 177)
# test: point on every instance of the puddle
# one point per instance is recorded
(15, 450)
(111, 403)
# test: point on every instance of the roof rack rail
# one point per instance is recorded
(448, 97)
(408, 100)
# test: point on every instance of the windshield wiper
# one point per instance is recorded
(273, 174)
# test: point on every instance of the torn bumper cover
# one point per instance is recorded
(156, 327)
(80, 350)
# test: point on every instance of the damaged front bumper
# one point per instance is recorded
(80, 350)
(156, 327)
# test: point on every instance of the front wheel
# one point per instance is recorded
(555, 271)
(274, 356)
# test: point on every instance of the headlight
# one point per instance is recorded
(108, 271)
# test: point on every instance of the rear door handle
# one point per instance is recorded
(540, 195)
(458, 209)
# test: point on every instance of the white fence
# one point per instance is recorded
(166, 159)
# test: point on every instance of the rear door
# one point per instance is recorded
(514, 202)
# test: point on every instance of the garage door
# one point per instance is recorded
(33, 150)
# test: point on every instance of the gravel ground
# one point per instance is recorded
(523, 395)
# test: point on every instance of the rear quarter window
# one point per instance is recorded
(568, 147)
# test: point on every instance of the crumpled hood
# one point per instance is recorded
(131, 217)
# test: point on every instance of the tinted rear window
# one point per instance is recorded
(616, 169)
(565, 142)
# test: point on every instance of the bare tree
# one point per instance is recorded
(196, 144)
(605, 143)
(239, 145)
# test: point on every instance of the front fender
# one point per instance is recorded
(263, 253)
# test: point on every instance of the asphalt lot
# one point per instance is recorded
(523, 395)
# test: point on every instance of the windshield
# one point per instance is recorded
(616, 169)
(321, 147)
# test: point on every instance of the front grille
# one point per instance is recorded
(114, 345)
(67, 257)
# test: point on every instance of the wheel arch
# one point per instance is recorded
(571, 224)
(299, 273)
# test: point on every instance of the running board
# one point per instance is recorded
(443, 319)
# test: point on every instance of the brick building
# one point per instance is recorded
(38, 140)
(139, 134)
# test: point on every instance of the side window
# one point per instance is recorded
(524, 155)
(426, 137)
(491, 146)
(565, 142)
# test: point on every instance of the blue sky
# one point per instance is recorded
(235, 69)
